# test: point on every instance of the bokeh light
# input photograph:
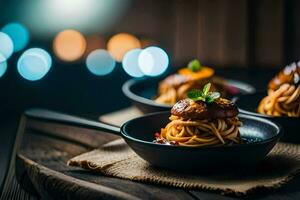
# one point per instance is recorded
(130, 63)
(40, 52)
(3, 65)
(94, 42)
(69, 45)
(48, 17)
(6, 45)
(34, 64)
(119, 44)
(18, 33)
(153, 61)
(100, 62)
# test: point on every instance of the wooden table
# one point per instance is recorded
(42, 171)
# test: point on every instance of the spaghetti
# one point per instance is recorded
(170, 94)
(199, 133)
(203, 119)
(283, 94)
(176, 86)
(284, 101)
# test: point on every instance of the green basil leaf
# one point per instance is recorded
(204, 95)
(209, 99)
(206, 89)
(199, 99)
(194, 65)
(193, 94)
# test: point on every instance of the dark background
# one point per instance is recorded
(248, 40)
(227, 35)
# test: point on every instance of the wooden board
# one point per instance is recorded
(41, 169)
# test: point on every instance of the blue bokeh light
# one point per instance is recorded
(18, 33)
(130, 63)
(100, 62)
(153, 61)
(34, 64)
(40, 52)
(3, 65)
(6, 45)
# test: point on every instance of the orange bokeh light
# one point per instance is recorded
(120, 43)
(69, 45)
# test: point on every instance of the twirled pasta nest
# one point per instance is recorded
(284, 101)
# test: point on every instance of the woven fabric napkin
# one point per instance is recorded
(118, 160)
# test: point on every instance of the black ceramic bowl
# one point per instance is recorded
(261, 135)
(248, 104)
(264, 134)
(141, 93)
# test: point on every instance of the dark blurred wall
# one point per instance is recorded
(221, 33)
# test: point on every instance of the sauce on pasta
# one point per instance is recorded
(283, 97)
(199, 123)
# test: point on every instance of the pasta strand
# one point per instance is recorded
(198, 133)
(285, 101)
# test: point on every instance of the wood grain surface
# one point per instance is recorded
(42, 171)
(43, 157)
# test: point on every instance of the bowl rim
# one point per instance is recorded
(126, 88)
(276, 136)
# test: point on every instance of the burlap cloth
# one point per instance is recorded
(118, 160)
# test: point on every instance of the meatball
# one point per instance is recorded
(290, 74)
(220, 108)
